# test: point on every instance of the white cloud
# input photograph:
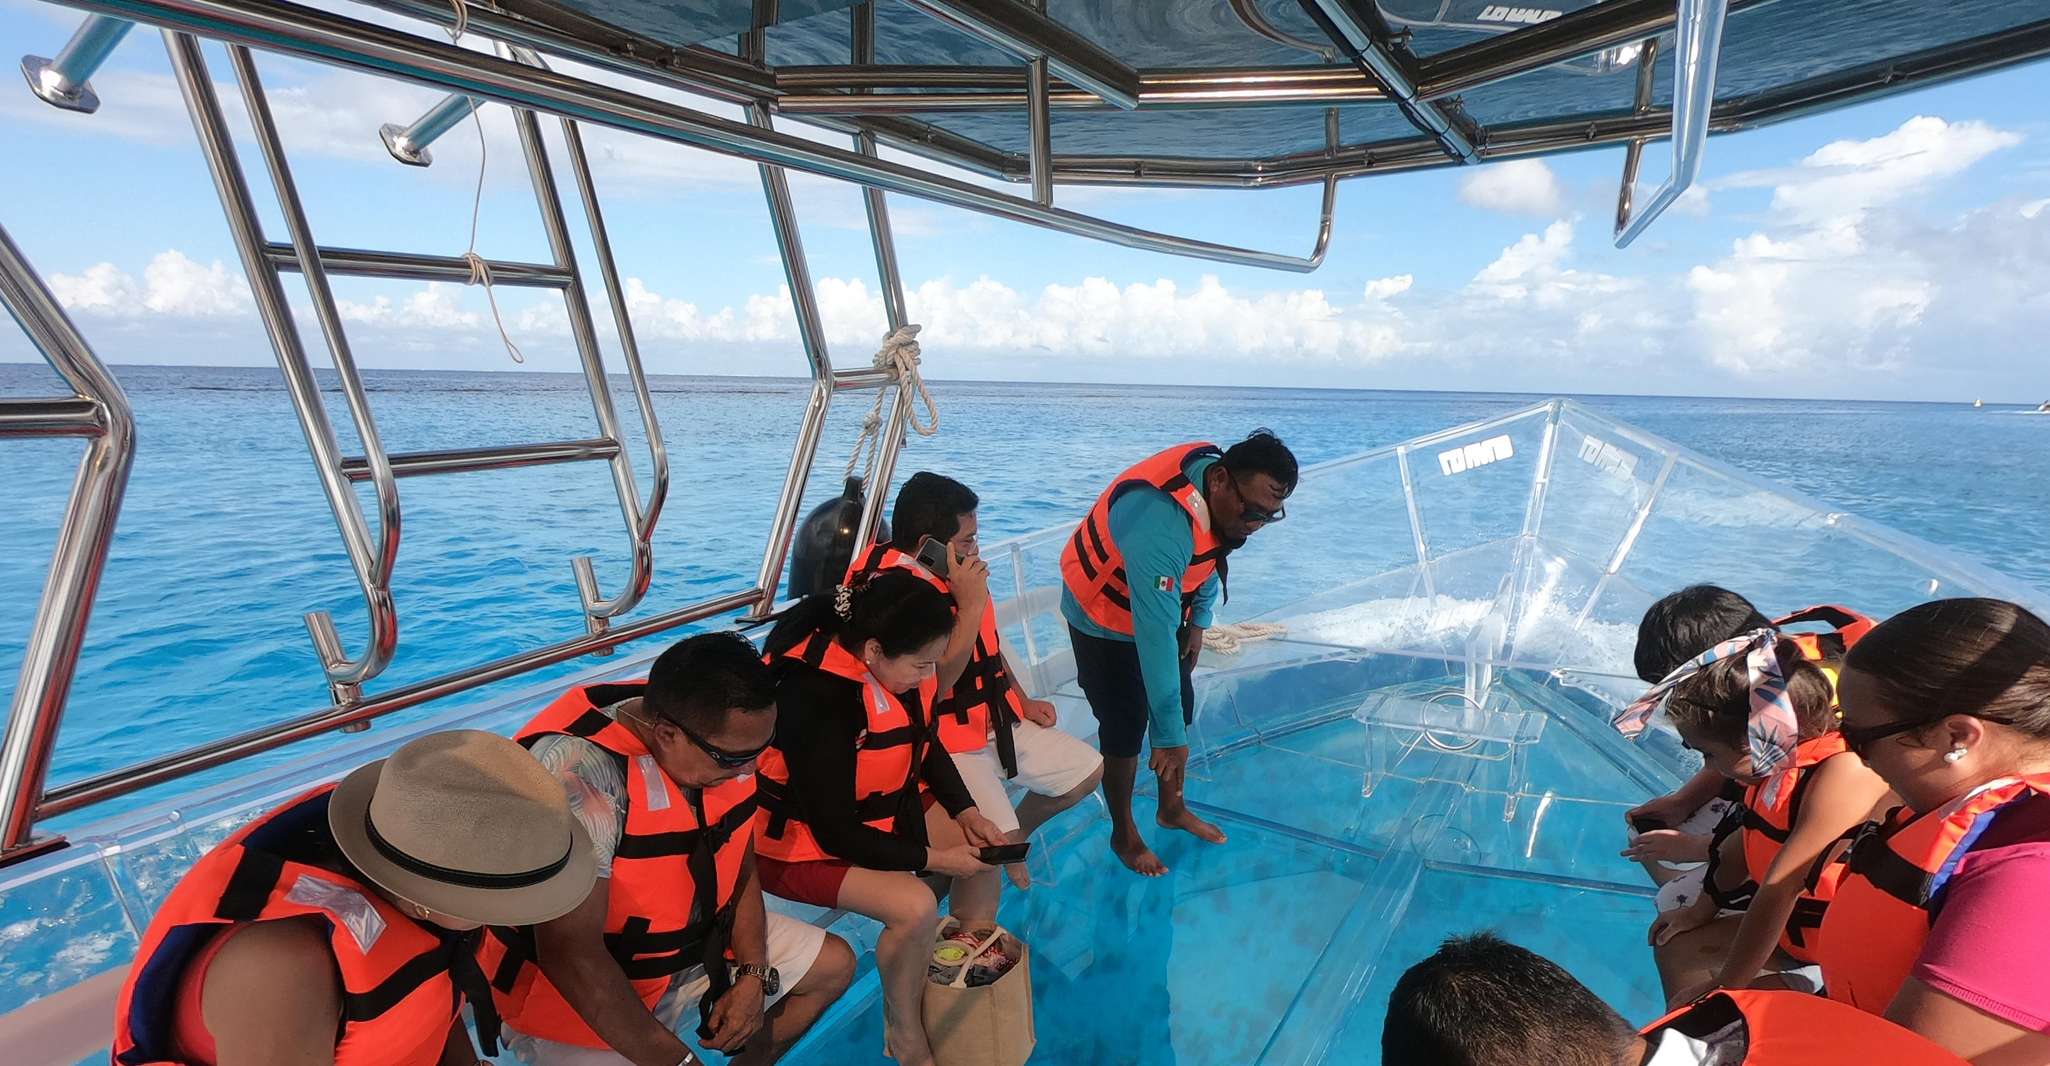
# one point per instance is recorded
(172, 285)
(1534, 270)
(1515, 186)
(1387, 288)
(436, 305)
(1845, 179)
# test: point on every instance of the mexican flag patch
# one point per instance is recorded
(1165, 584)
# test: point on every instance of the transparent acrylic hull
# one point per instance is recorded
(1423, 751)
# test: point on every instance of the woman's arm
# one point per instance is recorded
(1972, 1033)
(1980, 987)
(1841, 793)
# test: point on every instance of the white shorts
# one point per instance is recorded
(1051, 762)
(1701, 823)
(793, 947)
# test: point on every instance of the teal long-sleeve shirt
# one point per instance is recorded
(1152, 531)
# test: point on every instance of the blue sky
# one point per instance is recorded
(1899, 250)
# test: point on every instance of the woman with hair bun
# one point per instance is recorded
(858, 797)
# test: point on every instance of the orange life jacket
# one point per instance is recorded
(1771, 809)
(1847, 628)
(985, 691)
(1892, 885)
(887, 783)
(398, 998)
(660, 918)
(1093, 568)
(1779, 1028)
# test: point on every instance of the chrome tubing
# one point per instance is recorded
(65, 81)
(408, 144)
(1349, 27)
(1039, 119)
(1028, 34)
(1633, 152)
(1697, 49)
(1249, 13)
(1588, 30)
(1158, 91)
(498, 457)
(296, 30)
(49, 659)
(414, 266)
(372, 560)
(1153, 84)
(597, 610)
(811, 332)
(121, 782)
(891, 282)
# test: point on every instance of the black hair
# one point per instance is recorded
(1989, 659)
(698, 679)
(1689, 622)
(1482, 1001)
(896, 608)
(1717, 701)
(929, 505)
(1263, 453)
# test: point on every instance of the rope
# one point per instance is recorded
(480, 268)
(900, 352)
(1231, 639)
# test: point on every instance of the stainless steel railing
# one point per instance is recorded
(97, 411)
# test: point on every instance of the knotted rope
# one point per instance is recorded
(900, 352)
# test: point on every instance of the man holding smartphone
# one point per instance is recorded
(1141, 575)
(993, 730)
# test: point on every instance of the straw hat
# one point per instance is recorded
(467, 824)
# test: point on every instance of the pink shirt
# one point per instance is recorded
(1993, 930)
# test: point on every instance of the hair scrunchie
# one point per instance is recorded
(843, 602)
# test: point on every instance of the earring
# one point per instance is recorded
(1954, 755)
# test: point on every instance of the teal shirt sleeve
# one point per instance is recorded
(1202, 612)
(1153, 533)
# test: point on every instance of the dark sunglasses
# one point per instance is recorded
(728, 760)
(1250, 513)
(1859, 739)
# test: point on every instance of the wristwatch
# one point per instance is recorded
(772, 982)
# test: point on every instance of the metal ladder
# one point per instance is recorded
(265, 262)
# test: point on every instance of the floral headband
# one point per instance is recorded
(1773, 731)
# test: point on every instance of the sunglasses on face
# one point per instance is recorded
(726, 760)
(1860, 739)
(1250, 513)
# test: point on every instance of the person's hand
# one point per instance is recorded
(1665, 810)
(737, 1017)
(968, 579)
(1681, 919)
(1668, 845)
(980, 831)
(1040, 713)
(961, 860)
(1192, 644)
(1169, 764)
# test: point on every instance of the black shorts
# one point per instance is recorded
(1108, 671)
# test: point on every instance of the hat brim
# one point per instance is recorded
(527, 905)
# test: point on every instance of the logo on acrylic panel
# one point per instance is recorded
(1461, 460)
(1525, 16)
(1607, 458)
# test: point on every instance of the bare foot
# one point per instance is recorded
(1020, 877)
(1188, 823)
(920, 1055)
(1133, 852)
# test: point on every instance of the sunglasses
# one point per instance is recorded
(1860, 739)
(1250, 513)
(726, 760)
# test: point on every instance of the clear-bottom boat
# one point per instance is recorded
(1422, 749)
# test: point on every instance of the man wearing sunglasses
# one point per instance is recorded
(1141, 575)
(661, 774)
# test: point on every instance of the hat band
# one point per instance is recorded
(461, 878)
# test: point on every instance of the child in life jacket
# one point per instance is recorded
(1761, 714)
(1482, 1001)
(1671, 835)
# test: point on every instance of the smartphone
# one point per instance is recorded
(1005, 854)
(932, 555)
(1646, 825)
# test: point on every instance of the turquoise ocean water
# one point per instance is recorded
(225, 539)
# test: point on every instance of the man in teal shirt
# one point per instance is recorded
(1143, 574)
